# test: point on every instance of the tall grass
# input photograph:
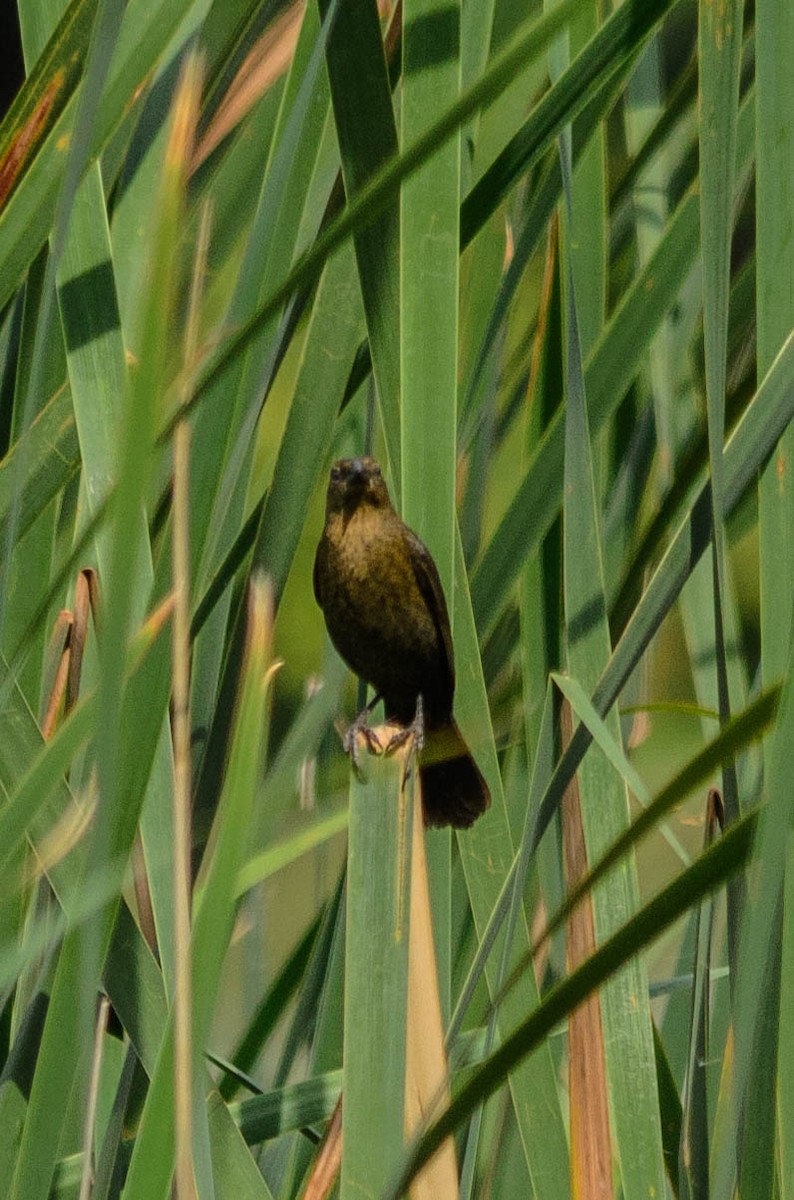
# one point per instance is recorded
(541, 264)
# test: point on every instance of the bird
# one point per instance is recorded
(384, 608)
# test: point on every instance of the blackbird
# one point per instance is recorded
(385, 611)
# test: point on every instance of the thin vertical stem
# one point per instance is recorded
(87, 1177)
(183, 1042)
(183, 1072)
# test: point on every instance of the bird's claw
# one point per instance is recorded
(415, 730)
(350, 739)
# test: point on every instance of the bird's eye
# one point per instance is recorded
(376, 471)
(336, 474)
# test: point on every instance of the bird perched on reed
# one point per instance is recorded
(384, 607)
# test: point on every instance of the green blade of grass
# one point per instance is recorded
(627, 1041)
(44, 775)
(295, 1107)
(747, 450)
(55, 1074)
(378, 193)
(486, 855)
(484, 261)
(322, 998)
(376, 977)
(135, 986)
(235, 1172)
(510, 904)
(613, 751)
(25, 221)
(29, 567)
(134, 983)
(670, 1108)
(755, 988)
(588, 235)
(224, 442)
(18, 1070)
(51, 452)
(367, 140)
(152, 1160)
(735, 737)
(27, 579)
(429, 282)
(271, 1008)
(301, 1104)
(693, 460)
(275, 858)
(305, 734)
(618, 39)
(705, 875)
(70, 1017)
(774, 201)
(54, 71)
(719, 52)
(331, 341)
(476, 29)
(321, 994)
(719, 46)
(657, 135)
(429, 216)
(693, 1153)
(650, 203)
(92, 336)
(608, 374)
(224, 431)
(97, 375)
(100, 50)
(544, 200)
(775, 309)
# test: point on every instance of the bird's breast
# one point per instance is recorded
(376, 614)
(371, 569)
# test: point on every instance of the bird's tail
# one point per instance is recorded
(453, 790)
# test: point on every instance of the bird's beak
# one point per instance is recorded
(357, 473)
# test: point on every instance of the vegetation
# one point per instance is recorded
(540, 264)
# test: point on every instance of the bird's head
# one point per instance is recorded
(355, 482)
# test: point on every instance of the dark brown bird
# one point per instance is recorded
(384, 607)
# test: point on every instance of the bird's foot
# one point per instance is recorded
(351, 737)
(415, 730)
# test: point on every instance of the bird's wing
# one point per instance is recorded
(316, 575)
(429, 584)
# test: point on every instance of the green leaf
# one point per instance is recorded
(428, 341)
(376, 977)
(25, 221)
(705, 875)
(152, 1159)
(748, 449)
(486, 855)
(378, 192)
(367, 141)
(625, 1009)
(774, 199)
